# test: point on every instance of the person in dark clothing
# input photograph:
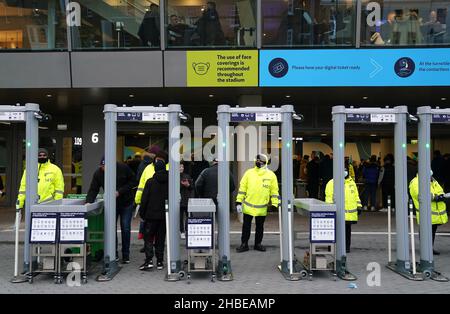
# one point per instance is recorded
(187, 191)
(206, 183)
(152, 211)
(208, 27)
(135, 162)
(176, 31)
(125, 181)
(446, 174)
(312, 169)
(387, 180)
(325, 172)
(194, 168)
(437, 165)
(370, 175)
(149, 29)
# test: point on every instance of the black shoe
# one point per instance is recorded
(259, 247)
(125, 259)
(242, 248)
(142, 250)
(146, 266)
(436, 252)
(159, 265)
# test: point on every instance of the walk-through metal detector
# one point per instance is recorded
(427, 116)
(172, 115)
(398, 116)
(31, 115)
(284, 116)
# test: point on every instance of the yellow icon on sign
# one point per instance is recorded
(201, 68)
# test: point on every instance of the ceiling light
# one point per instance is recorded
(131, 96)
(49, 96)
(288, 96)
(211, 96)
(141, 133)
(443, 98)
(43, 127)
(365, 97)
(373, 135)
(323, 134)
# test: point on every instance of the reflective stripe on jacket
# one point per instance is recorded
(50, 184)
(258, 188)
(352, 201)
(438, 209)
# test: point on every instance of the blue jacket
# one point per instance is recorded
(370, 173)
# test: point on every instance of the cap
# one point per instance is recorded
(154, 149)
(43, 150)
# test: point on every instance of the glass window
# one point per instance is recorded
(309, 23)
(33, 25)
(117, 24)
(404, 23)
(220, 23)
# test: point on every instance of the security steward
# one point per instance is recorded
(50, 181)
(352, 204)
(438, 207)
(148, 173)
(258, 190)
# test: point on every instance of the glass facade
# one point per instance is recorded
(219, 24)
(33, 25)
(308, 23)
(405, 23)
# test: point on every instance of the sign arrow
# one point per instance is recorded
(378, 68)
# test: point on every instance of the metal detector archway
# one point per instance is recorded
(427, 116)
(31, 115)
(284, 116)
(399, 117)
(172, 115)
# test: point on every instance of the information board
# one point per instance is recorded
(323, 227)
(200, 233)
(72, 227)
(43, 227)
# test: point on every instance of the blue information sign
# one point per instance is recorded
(355, 67)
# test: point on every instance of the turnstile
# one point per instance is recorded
(200, 242)
(322, 235)
(58, 237)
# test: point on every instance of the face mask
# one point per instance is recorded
(42, 160)
(258, 164)
(345, 173)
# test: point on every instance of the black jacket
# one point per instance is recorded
(186, 192)
(206, 184)
(125, 181)
(154, 197)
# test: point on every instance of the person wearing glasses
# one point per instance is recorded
(50, 181)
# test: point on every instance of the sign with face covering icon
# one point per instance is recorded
(231, 68)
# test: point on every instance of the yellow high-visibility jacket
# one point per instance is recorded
(50, 184)
(148, 173)
(352, 201)
(438, 209)
(257, 188)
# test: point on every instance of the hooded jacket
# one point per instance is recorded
(154, 197)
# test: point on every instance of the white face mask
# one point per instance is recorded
(345, 174)
(431, 171)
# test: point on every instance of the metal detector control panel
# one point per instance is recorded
(12, 116)
(143, 116)
(256, 117)
(370, 118)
